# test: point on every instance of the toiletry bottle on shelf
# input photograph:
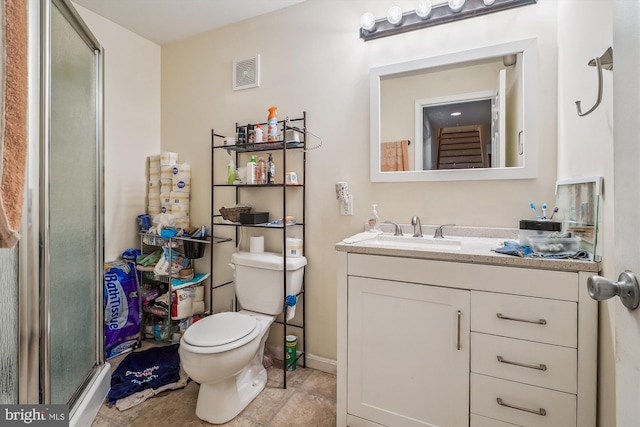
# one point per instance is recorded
(231, 172)
(257, 134)
(262, 171)
(157, 331)
(252, 171)
(271, 171)
(272, 125)
(374, 220)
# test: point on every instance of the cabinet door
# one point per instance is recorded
(408, 353)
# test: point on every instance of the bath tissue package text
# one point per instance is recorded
(122, 315)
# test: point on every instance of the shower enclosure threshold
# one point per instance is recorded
(87, 409)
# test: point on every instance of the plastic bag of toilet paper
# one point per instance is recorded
(164, 267)
(122, 308)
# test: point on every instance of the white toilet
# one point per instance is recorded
(223, 352)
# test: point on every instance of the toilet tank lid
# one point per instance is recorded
(267, 260)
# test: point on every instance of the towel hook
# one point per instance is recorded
(605, 61)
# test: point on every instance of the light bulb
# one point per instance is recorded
(456, 5)
(423, 10)
(394, 15)
(488, 2)
(368, 22)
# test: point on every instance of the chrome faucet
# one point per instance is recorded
(417, 227)
(438, 233)
(398, 230)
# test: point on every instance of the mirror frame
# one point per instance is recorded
(529, 142)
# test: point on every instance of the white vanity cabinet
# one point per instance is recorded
(425, 342)
(408, 359)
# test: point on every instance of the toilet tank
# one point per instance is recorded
(259, 279)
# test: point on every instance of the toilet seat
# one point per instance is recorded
(221, 332)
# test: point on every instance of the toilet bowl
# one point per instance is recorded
(223, 352)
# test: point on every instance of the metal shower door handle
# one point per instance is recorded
(626, 288)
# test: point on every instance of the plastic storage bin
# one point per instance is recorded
(554, 245)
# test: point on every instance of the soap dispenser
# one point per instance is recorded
(374, 220)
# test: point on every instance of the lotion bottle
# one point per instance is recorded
(252, 171)
(262, 171)
(374, 220)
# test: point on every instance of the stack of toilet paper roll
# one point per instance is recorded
(187, 302)
(169, 187)
(180, 191)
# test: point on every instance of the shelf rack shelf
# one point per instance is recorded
(154, 240)
(298, 125)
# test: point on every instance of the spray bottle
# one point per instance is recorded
(272, 125)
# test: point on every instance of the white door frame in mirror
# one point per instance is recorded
(529, 168)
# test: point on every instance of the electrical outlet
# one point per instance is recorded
(346, 208)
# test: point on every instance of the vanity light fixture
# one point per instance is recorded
(423, 10)
(425, 15)
(394, 16)
(368, 22)
(456, 5)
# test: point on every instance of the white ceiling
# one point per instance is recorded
(166, 21)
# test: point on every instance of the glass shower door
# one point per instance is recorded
(72, 251)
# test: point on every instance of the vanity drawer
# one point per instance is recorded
(521, 404)
(480, 421)
(529, 362)
(535, 319)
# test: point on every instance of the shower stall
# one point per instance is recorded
(61, 350)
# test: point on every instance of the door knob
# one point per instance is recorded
(626, 288)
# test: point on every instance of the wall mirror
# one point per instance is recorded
(467, 115)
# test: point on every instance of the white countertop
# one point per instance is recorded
(469, 245)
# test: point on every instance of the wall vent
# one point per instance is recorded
(246, 73)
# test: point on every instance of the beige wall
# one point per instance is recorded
(313, 60)
(132, 126)
(585, 148)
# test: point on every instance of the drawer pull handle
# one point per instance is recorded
(459, 316)
(537, 322)
(540, 367)
(540, 411)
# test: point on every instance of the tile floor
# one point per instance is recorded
(308, 401)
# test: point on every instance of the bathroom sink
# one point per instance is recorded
(407, 241)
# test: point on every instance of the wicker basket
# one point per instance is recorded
(233, 214)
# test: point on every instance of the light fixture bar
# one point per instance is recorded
(440, 14)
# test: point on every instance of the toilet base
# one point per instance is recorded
(221, 402)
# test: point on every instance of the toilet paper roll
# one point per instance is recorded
(199, 295)
(198, 307)
(256, 244)
(169, 158)
(294, 247)
(181, 187)
(166, 172)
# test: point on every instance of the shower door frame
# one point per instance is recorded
(35, 334)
